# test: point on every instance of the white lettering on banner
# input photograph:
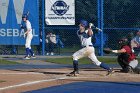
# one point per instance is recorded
(59, 8)
(14, 33)
(9, 32)
(60, 17)
(21, 33)
(18, 8)
(2, 32)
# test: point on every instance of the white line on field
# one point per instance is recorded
(39, 81)
(28, 73)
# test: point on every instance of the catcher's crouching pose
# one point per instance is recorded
(85, 35)
(127, 58)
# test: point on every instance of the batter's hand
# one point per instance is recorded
(90, 32)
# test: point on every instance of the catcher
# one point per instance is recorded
(126, 58)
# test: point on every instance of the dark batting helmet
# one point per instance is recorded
(25, 16)
(84, 23)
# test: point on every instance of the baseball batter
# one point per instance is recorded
(28, 35)
(85, 34)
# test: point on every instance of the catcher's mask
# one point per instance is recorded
(123, 42)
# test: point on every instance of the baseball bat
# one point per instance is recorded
(92, 25)
(28, 13)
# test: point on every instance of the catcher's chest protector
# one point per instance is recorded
(129, 54)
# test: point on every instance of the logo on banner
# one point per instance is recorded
(60, 8)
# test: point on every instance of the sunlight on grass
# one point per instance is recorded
(68, 60)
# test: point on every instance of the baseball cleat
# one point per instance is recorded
(26, 57)
(130, 70)
(73, 73)
(33, 56)
(111, 71)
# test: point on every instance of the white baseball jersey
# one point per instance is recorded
(29, 27)
(87, 50)
(84, 38)
(29, 34)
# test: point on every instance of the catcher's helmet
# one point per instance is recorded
(84, 23)
(123, 41)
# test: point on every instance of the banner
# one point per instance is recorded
(60, 12)
(11, 12)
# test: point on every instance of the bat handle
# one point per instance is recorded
(90, 25)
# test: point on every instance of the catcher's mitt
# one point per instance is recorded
(107, 50)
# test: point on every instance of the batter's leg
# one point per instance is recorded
(76, 56)
(101, 64)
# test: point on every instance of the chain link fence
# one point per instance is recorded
(121, 19)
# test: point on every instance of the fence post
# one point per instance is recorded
(100, 25)
(43, 32)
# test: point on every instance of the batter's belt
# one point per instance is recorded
(88, 45)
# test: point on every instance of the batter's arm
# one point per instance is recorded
(28, 30)
(25, 34)
(90, 32)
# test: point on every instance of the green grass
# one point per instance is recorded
(68, 60)
(1, 81)
(5, 62)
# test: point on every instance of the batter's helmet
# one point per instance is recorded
(84, 23)
(25, 16)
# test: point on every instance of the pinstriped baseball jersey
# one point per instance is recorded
(84, 38)
(29, 27)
